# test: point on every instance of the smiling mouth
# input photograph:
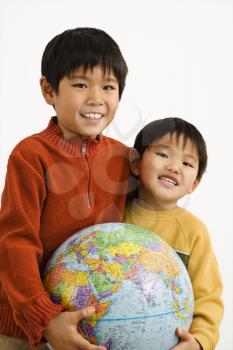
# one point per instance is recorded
(168, 180)
(92, 116)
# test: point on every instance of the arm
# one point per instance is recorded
(21, 253)
(207, 287)
(21, 250)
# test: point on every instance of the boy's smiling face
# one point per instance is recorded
(85, 103)
(168, 171)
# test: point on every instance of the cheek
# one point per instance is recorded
(147, 173)
(113, 103)
(191, 183)
(63, 104)
(113, 109)
(155, 165)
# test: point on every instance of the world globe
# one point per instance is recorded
(139, 286)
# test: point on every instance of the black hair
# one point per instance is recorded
(82, 47)
(174, 126)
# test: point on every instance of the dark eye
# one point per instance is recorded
(188, 164)
(80, 85)
(161, 154)
(109, 87)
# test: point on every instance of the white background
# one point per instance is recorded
(179, 55)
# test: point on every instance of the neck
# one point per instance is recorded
(151, 203)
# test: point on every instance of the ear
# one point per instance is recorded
(47, 91)
(194, 186)
(134, 160)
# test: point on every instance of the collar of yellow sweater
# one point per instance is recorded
(154, 214)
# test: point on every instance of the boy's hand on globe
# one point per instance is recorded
(62, 332)
(187, 341)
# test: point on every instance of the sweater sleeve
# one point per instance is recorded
(207, 287)
(21, 250)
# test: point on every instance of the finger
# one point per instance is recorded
(84, 313)
(84, 344)
(183, 334)
(180, 346)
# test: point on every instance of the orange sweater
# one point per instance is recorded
(53, 189)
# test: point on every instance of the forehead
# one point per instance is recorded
(177, 141)
(96, 71)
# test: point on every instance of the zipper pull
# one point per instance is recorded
(83, 147)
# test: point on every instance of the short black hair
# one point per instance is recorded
(82, 47)
(158, 128)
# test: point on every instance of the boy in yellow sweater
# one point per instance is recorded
(169, 158)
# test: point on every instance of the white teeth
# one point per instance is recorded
(95, 116)
(168, 180)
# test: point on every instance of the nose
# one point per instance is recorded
(95, 97)
(173, 166)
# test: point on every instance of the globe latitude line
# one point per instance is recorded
(144, 316)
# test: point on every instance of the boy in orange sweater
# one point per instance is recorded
(67, 177)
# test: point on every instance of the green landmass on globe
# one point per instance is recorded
(139, 286)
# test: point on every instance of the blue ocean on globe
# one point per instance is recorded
(139, 286)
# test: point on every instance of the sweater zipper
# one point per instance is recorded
(88, 181)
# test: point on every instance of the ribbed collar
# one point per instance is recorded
(72, 146)
(148, 214)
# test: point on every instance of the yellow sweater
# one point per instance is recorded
(189, 237)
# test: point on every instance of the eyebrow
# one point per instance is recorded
(188, 155)
(84, 77)
(113, 80)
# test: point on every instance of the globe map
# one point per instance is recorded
(139, 286)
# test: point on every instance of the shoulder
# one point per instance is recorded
(113, 151)
(192, 226)
(38, 143)
(31, 152)
(24, 144)
(188, 217)
(113, 143)
(26, 162)
(28, 148)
